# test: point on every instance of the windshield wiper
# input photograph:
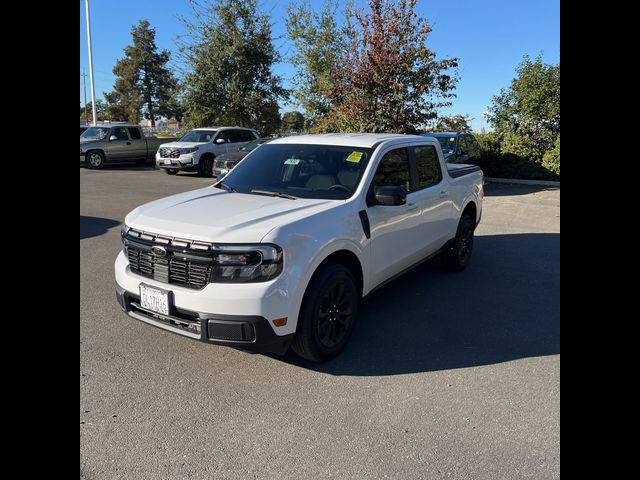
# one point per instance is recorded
(274, 194)
(226, 187)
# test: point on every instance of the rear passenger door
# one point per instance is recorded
(138, 147)
(430, 192)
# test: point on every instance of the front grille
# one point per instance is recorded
(230, 164)
(173, 269)
(169, 153)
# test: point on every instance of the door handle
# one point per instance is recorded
(444, 193)
(128, 143)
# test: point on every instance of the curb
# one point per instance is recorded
(549, 183)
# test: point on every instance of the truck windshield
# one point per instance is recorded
(200, 136)
(96, 133)
(299, 170)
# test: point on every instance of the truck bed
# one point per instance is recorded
(459, 169)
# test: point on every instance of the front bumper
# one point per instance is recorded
(217, 171)
(183, 162)
(245, 332)
(234, 315)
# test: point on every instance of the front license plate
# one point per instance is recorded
(154, 299)
(167, 162)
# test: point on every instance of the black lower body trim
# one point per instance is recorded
(252, 333)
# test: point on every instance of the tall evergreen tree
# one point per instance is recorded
(230, 54)
(144, 83)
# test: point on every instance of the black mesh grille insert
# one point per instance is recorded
(172, 270)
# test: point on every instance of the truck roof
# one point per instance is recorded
(364, 140)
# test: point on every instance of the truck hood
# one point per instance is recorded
(214, 215)
(182, 144)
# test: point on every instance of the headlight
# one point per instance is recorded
(246, 263)
(188, 150)
(124, 229)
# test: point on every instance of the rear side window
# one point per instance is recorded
(393, 170)
(427, 166)
(135, 133)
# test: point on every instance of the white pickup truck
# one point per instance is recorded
(197, 150)
(281, 251)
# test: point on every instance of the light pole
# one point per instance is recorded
(94, 110)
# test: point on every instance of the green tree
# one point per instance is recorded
(292, 122)
(144, 82)
(230, 54)
(116, 109)
(319, 43)
(389, 80)
(551, 158)
(454, 123)
(89, 115)
(530, 107)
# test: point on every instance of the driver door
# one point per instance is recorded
(395, 242)
(120, 148)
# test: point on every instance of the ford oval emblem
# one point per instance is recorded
(159, 251)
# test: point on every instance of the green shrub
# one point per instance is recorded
(521, 146)
(514, 156)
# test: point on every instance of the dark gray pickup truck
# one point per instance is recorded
(117, 143)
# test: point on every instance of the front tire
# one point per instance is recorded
(94, 159)
(327, 315)
(205, 167)
(457, 254)
(171, 171)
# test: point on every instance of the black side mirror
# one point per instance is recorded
(391, 196)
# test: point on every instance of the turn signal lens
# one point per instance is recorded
(280, 322)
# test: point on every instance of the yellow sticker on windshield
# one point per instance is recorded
(452, 139)
(354, 157)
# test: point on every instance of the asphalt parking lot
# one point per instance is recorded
(446, 376)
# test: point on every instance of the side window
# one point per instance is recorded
(135, 133)
(427, 166)
(245, 135)
(237, 136)
(120, 132)
(226, 135)
(393, 170)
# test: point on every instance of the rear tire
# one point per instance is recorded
(328, 313)
(205, 167)
(457, 254)
(94, 159)
(171, 171)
